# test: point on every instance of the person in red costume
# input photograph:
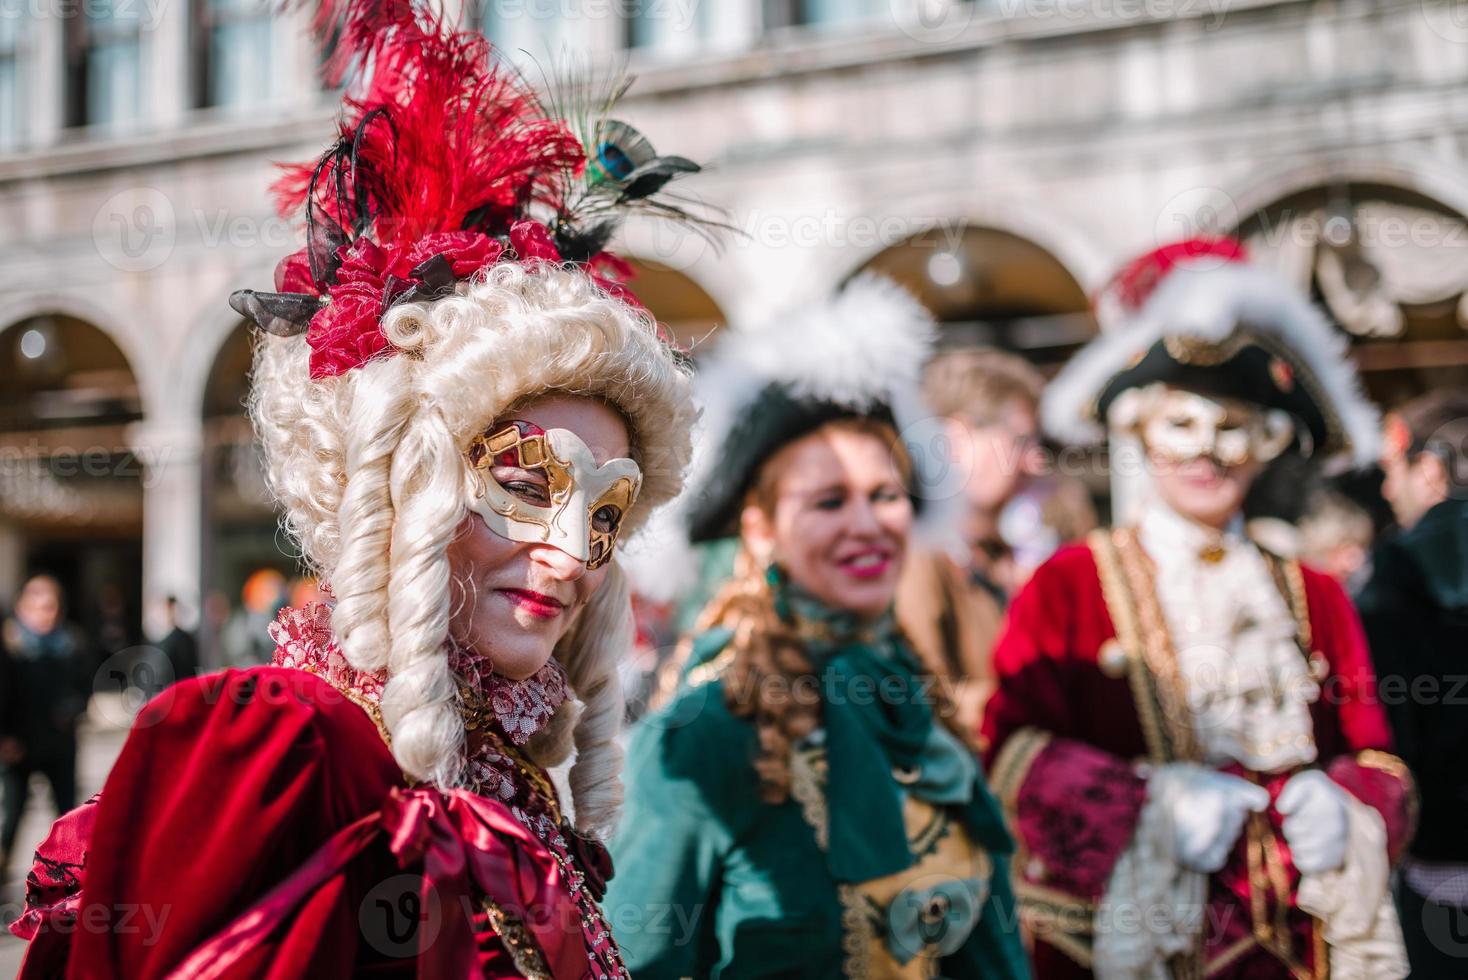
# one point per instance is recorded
(460, 418)
(1185, 732)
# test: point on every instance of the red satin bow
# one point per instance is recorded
(460, 839)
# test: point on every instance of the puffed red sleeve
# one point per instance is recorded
(1351, 725)
(226, 785)
(1072, 804)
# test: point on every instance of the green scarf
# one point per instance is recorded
(879, 721)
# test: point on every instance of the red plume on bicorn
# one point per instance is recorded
(1128, 291)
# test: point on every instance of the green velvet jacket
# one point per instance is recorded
(713, 882)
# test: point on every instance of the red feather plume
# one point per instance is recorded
(439, 135)
(1130, 288)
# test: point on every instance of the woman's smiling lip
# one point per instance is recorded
(869, 563)
(537, 604)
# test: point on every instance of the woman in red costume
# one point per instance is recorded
(460, 416)
(1185, 731)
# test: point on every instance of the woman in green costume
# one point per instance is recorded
(804, 805)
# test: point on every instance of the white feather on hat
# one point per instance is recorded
(1207, 300)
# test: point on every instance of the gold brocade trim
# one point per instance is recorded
(710, 670)
(1013, 765)
(858, 933)
(1128, 587)
(806, 778)
(1077, 914)
(1168, 687)
(1203, 352)
(536, 776)
(1077, 948)
(1299, 605)
(1290, 581)
(371, 708)
(1128, 633)
(1393, 766)
(1065, 921)
(1267, 875)
(1387, 763)
(1230, 955)
(518, 942)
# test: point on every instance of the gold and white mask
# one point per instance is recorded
(1181, 426)
(561, 497)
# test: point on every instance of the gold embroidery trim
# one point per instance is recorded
(1125, 577)
(372, 710)
(1393, 766)
(1230, 955)
(710, 670)
(1076, 947)
(1078, 914)
(1290, 581)
(1128, 634)
(1065, 921)
(1013, 765)
(1267, 877)
(858, 932)
(1387, 763)
(518, 942)
(1168, 687)
(806, 771)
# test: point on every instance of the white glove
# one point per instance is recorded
(1315, 825)
(1208, 810)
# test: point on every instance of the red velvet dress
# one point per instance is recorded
(1080, 702)
(256, 825)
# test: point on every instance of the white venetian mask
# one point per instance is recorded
(572, 503)
(1181, 426)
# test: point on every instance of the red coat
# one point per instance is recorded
(256, 826)
(1076, 706)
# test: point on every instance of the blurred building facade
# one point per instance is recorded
(1001, 157)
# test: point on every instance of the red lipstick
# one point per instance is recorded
(537, 604)
(868, 564)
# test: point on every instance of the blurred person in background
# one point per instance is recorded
(45, 681)
(1185, 729)
(178, 645)
(1415, 608)
(951, 596)
(246, 637)
(1336, 536)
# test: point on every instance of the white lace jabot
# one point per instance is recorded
(1236, 640)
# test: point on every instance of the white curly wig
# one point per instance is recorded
(369, 469)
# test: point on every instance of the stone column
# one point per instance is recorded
(44, 68)
(171, 456)
(12, 561)
(167, 82)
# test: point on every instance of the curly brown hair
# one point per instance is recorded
(769, 679)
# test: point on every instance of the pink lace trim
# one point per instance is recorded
(303, 640)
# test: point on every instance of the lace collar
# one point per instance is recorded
(515, 709)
